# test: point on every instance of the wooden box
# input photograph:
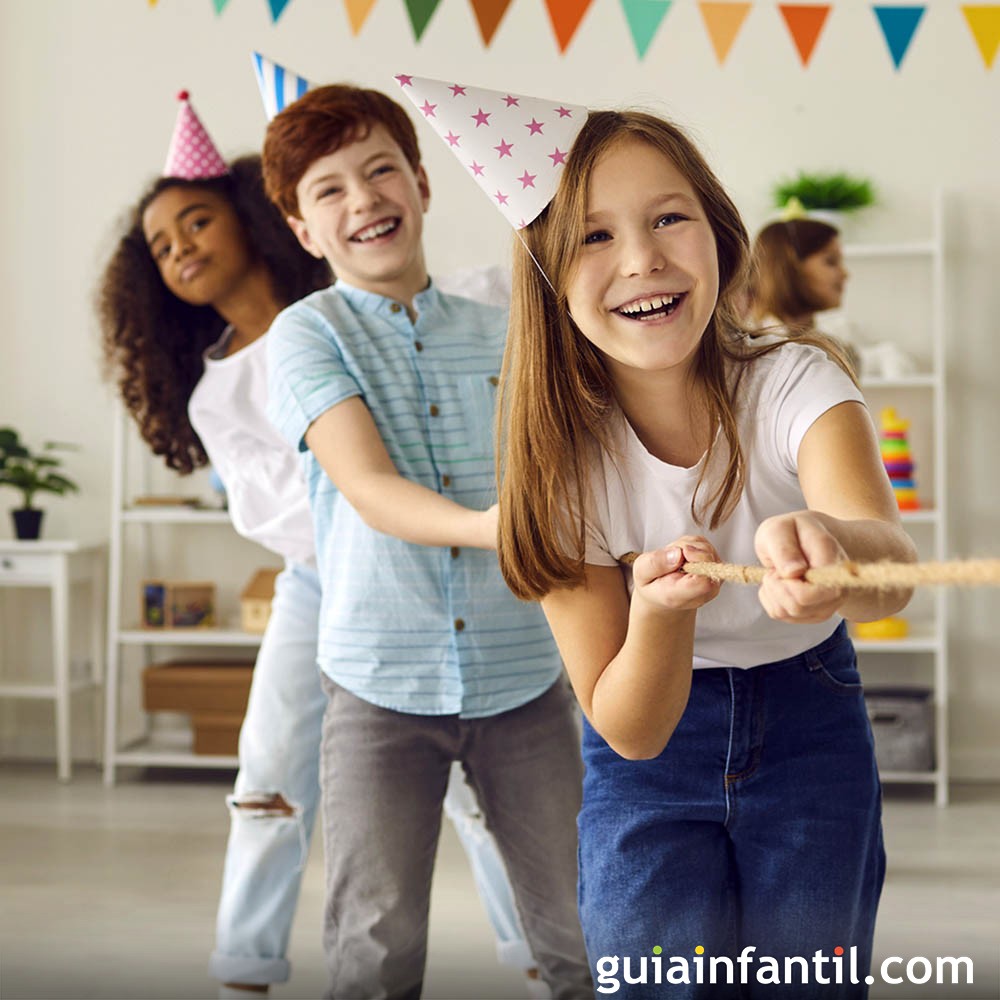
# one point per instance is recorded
(177, 604)
(255, 601)
(216, 732)
(197, 687)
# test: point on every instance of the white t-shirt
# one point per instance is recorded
(639, 503)
(263, 476)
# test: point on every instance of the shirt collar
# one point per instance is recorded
(424, 301)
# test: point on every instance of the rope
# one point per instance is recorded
(860, 576)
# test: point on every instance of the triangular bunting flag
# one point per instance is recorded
(898, 25)
(723, 22)
(420, 12)
(489, 14)
(984, 23)
(644, 17)
(566, 16)
(220, 5)
(277, 8)
(279, 87)
(357, 13)
(805, 22)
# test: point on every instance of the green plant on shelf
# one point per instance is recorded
(834, 192)
(32, 472)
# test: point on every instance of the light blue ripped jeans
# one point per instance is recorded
(279, 755)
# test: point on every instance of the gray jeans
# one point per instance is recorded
(384, 776)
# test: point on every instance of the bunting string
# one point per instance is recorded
(723, 21)
(860, 576)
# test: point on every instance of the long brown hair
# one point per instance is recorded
(777, 287)
(153, 342)
(556, 395)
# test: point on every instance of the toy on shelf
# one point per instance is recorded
(170, 604)
(896, 458)
(881, 629)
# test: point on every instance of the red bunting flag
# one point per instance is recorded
(489, 14)
(566, 16)
(804, 22)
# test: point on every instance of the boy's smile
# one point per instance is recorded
(362, 209)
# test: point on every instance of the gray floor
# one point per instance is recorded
(110, 893)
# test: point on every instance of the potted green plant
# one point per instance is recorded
(825, 196)
(30, 473)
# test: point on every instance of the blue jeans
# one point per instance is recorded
(279, 754)
(758, 825)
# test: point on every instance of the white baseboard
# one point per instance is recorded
(969, 764)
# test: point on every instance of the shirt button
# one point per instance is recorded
(395, 307)
(419, 346)
(434, 411)
(494, 380)
(459, 624)
(455, 551)
(446, 480)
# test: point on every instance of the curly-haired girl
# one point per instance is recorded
(204, 266)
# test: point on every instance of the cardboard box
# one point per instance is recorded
(255, 601)
(197, 687)
(216, 732)
(177, 604)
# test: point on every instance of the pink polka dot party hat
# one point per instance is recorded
(192, 155)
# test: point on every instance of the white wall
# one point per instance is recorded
(88, 105)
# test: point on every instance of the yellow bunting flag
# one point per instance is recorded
(804, 22)
(566, 16)
(723, 22)
(984, 23)
(357, 13)
(489, 14)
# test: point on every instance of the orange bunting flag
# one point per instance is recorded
(357, 13)
(566, 16)
(489, 14)
(723, 22)
(804, 22)
(984, 23)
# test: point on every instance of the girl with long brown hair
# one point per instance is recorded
(731, 798)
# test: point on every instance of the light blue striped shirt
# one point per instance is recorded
(428, 631)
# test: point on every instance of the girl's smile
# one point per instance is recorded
(646, 278)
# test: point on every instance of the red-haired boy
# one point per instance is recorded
(387, 386)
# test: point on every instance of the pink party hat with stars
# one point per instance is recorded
(514, 146)
(192, 155)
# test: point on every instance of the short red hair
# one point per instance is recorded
(319, 123)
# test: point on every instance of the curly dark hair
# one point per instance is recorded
(153, 342)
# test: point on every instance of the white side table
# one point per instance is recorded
(57, 565)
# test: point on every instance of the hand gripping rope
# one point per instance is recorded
(861, 576)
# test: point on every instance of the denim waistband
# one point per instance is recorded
(837, 638)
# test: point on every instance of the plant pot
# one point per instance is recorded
(27, 523)
(831, 216)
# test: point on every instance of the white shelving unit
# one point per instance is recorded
(928, 636)
(170, 748)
